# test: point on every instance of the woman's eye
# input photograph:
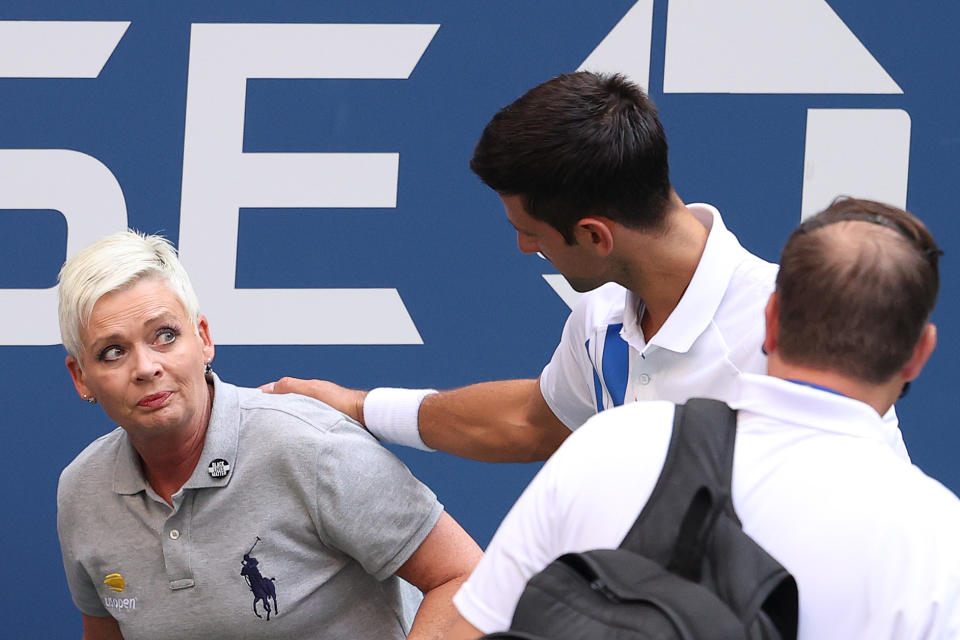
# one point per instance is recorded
(166, 336)
(111, 353)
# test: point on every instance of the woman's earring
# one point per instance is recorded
(90, 399)
(207, 369)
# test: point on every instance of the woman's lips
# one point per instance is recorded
(154, 399)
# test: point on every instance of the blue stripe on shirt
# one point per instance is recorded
(616, 364)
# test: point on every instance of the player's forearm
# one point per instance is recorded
(502, 421)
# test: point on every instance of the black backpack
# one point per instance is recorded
(685, 569)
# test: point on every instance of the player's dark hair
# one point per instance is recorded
(577, 145)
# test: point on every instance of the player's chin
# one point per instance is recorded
(581, 285)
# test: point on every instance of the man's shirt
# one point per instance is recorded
(818, 481)
(712, 336)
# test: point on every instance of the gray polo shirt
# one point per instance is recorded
(311, 508)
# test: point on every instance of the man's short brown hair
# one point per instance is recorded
(856, 286)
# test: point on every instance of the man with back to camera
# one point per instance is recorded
(818, 480)
(675, 307)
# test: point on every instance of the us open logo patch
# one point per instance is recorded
(117, 584)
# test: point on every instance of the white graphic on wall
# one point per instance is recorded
(563, 289)
(742, 46)
(855, 152)
(626, 49)
(219, 178)
(54, 49)
(87, 194)
(759, 46)
(783, 47)
(77, 185)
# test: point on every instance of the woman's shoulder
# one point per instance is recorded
(290, 429)
(296, 415)
(95, 463)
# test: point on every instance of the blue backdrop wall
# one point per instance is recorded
(310, 161)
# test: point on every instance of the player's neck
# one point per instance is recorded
(660, 266)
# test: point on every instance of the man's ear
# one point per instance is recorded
(76, 373)
(772, 316)
(921, 353)
(597, 233)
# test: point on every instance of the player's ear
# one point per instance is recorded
(596, 232)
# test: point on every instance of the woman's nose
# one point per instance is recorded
(146, 363)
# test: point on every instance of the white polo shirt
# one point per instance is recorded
(713, 334)
(818, 481)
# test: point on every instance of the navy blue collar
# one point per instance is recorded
(815, 386)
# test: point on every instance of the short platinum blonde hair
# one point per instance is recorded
(117, 262)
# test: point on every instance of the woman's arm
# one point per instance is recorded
(97, 628)
(438, 567)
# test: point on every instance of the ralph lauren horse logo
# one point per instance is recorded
(263, 588)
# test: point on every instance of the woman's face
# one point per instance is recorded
(143, 361)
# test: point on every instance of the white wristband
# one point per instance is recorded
(391, 415)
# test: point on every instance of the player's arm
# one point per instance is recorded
(502, 421)
(438, 567)
(100, 628)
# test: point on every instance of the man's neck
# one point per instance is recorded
(658, 267)
(879, 396)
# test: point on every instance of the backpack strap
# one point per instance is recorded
(690, 514)
(693, 488)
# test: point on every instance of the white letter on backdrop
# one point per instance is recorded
(219, 178)
(77, 185)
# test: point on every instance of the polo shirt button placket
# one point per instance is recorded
(639, 383)
(176, 548)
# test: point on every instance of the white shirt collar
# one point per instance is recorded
(805, 406)
(700, 301)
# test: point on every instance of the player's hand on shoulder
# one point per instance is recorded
(348, 401)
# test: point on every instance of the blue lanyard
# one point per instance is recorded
(815, 386)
